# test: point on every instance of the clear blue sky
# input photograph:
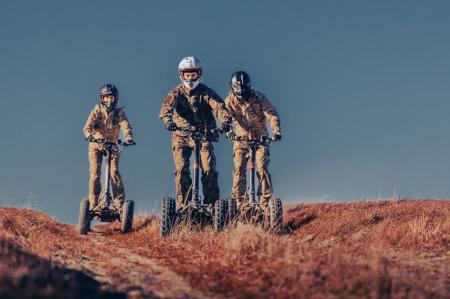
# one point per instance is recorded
(362, 87)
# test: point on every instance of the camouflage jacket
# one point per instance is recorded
(250, 116)
(107, 125)
(196, 108)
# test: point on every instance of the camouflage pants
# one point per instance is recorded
(241, 158)
(182, 150)
(95, 187)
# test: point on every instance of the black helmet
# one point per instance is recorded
(241, 84)
(109, 90)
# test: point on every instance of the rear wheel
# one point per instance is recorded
(127, 216)
(168, 215)
(220, 214)
(232, 210)
(276, 215)
(84, 223)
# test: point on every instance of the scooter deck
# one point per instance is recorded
(252, 213)
(110, 214)
(195, 214)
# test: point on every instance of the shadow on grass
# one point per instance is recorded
(296, 223)
(24, 275)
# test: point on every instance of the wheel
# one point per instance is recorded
(232, 210)
(127, 216)
(276, 214)
(84, 223)
(220, 214)
(168, 215)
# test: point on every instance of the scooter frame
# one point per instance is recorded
(105, 211)
(252, 211)
(195, 204)
(195, 212)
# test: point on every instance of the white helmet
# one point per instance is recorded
(190, 64)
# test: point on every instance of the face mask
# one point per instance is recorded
(109, 106)
(241, 94)
(191, 84)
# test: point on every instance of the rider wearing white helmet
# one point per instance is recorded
(193, 104)
(190, 71)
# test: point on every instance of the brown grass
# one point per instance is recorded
(29, 243)
(373, 249)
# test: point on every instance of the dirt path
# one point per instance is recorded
(113, 264)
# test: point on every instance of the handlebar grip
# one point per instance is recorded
(94, 140)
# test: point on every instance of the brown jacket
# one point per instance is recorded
(196, 108)
(107, 125)
(250, 116)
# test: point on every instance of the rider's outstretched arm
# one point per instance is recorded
(238, 118)
(167, 107)
(88, 129)
(271, 114)
(125, 126)
(218, 106)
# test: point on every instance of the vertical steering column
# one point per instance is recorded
(108, 176)
(251, 168)
(195, 189)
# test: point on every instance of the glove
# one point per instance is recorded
(130, 141)
(225, 127)
(277, 137)
(231, 135)
(91, 138)
(171, 126)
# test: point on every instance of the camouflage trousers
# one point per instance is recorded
(241, 158)
(95, 166)
(182, 149)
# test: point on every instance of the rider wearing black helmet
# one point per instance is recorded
(105, 123)
(250, 110)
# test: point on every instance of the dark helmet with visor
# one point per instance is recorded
(241, 84)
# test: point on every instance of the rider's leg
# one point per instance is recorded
(95, 165)
(118, 189)
(240, 159)
(209, 179)
(183, 182)
(265, 181)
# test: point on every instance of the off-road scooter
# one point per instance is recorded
(251, 212)
(105, 211)
(195, 212)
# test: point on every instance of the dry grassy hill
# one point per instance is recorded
(373, 249)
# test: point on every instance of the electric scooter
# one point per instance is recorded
(105, 211)
(196, 212)
(251, 211)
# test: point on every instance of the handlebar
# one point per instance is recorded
(111, 143)
(194, 130)
(263, 140)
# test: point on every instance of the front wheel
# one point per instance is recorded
(84, 223)
(168, 215)
(127, 216)
(220, 214)
(276, 214)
